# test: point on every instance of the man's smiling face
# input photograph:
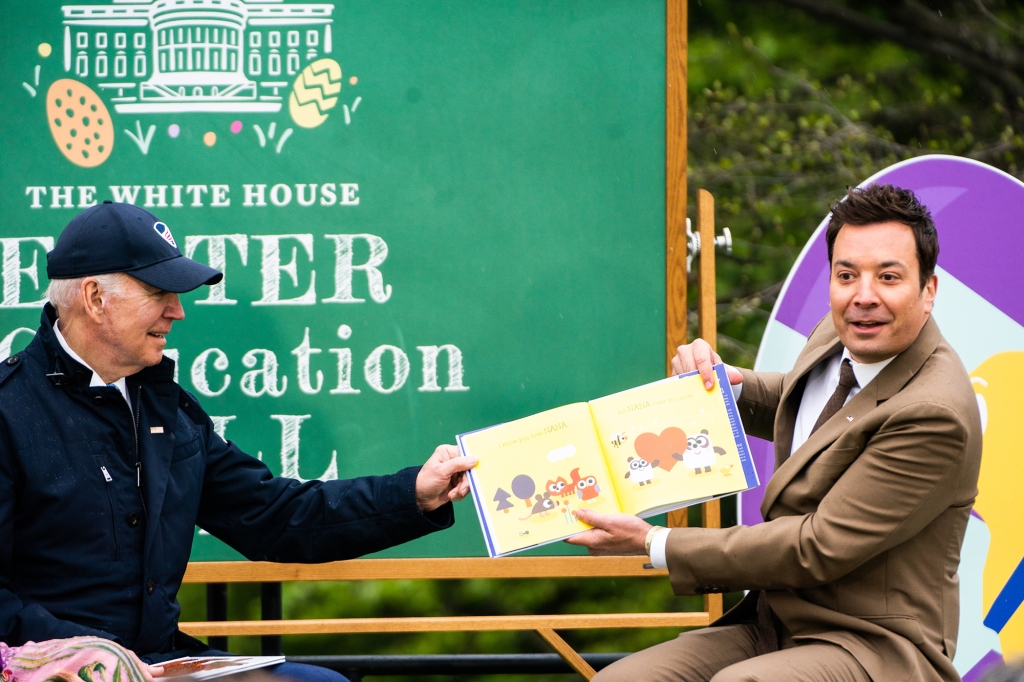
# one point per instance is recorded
(138, 321)
(878, 304)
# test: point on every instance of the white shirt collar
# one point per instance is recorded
(96, 380)
(865, 372)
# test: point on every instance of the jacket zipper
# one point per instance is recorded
(138, 458)
(110, 502)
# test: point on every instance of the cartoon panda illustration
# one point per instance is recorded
(700, 453)
(640, 470)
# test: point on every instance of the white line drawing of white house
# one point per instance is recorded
(195, 55)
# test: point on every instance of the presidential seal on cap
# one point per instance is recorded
(113, 237)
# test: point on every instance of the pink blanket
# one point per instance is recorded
(79, 659)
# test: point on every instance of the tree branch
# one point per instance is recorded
(981, 63)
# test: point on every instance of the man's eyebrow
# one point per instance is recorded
(892, 264)
(845, 264)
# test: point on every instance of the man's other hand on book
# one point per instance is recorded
(148, 671)
(612, 534)
(701, 357)
(443, 478)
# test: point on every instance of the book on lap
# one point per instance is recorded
(209, 667)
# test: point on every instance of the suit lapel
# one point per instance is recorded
(789, 404)
(850, 416)
(890, 381)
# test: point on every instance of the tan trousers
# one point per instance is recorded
(726, 654)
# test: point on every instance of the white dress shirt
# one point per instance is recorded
(822, 381)
(96, 380)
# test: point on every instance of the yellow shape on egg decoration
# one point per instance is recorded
(315, 92)
(79, 122)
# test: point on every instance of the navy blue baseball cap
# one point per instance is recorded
(112, 237)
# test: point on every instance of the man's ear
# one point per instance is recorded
(93, 299)
(931, 287)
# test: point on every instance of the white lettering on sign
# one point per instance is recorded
(344, 268)
(263, 380)
(197, 192)
(172, 353)
(86, 196)
(373, 368)
(156, 196)
(280, 194)
(220, 425)
(218, 260)
(344, 364)
(290, 426)
(8, 342)
(219, 195)
(199, 378)
(271, 269)
(13, 272)
(305, 194)
(302, 353)
(35, 192)
(430, 354)
(125, 194)
(61, 197)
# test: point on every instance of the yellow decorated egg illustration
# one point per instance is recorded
(315, 93)
(79, 122)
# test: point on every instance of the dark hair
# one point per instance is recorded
(882, 204)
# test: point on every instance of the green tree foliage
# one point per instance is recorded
(789, 102)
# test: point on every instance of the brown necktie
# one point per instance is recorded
(847, 381)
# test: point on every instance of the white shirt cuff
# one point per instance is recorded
(658, 543)
(737, 389)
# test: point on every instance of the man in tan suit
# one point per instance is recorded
(853, 575)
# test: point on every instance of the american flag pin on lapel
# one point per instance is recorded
(849, 417)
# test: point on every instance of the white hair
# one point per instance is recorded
(64, 293)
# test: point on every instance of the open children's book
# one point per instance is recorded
(644, 451)
(208, 667)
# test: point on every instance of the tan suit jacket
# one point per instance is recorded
(864, 521)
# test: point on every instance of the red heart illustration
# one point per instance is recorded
(652, 447)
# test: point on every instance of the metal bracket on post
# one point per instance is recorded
(723, 242)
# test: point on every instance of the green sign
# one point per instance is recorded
(431, 216)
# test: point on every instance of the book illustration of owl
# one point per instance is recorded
(559, 487)
(586, 486)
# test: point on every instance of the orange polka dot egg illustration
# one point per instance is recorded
(79, 122)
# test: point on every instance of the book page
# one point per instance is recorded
(532, 476)
(672, 443)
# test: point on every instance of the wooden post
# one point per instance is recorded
(707, 315)
(567, 653)
(675, 191)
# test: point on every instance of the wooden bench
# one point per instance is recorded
(545, 625)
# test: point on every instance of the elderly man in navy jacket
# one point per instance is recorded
(107, 465)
